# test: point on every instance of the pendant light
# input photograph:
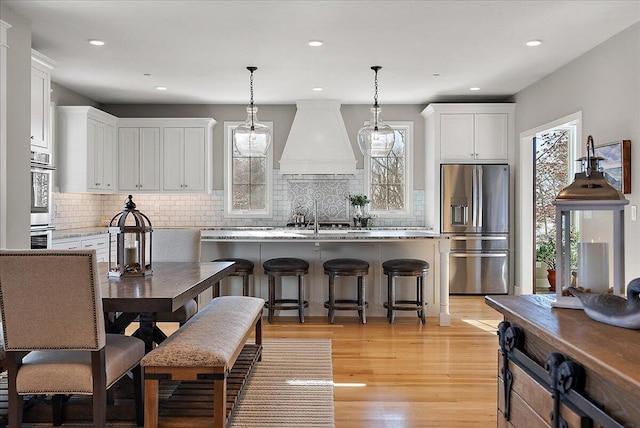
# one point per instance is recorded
(376, 138)
(252, 138)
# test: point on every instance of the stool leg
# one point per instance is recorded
(301, 298)
(388, 296)
(245, 285)
(423, 302)
(272, 298)
(392, 298)
(332, 301)
(361, 299)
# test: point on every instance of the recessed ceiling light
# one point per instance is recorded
(315, 43)
(161, 88)
(317, 89)
(96, 42)
(475, 88)
(534, 43)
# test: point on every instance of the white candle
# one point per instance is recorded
(593, 266)
(130, 256)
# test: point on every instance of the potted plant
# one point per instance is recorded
(546, 253)
(358, 202)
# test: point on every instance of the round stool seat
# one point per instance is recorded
(242, 265)
(286, 266)
(346, 267)
(405, 267)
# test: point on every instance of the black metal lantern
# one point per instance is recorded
(589, 191)
(132, 230)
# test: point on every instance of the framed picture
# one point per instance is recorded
(617, 164)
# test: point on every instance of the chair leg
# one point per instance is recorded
(216, 289)
(138, 394)
(301, 298)
(99, 388)
(272, 298)
(16, 405)
(332, 301)
(392, 298)
(423, 302)
(362, 299)
(245, 285)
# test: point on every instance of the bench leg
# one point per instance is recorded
(219, 403)
(151, 403)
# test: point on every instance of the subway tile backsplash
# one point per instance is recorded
(290, 194)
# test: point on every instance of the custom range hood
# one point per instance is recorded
(318, 142)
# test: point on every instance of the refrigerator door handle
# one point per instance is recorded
(474, 198)
(480, 196)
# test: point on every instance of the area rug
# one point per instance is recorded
(291, 387)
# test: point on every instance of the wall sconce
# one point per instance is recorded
(589, 191)
(132, 230)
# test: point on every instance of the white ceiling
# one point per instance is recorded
(199, 49)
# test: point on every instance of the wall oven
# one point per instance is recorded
(41, 189)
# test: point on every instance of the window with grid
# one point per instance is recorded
(248, 179)
(388, 179)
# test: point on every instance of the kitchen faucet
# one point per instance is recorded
(315, 217)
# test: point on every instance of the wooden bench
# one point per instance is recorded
(205, 349)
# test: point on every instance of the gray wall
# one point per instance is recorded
(282, 117)
(18, 129)
(604, 84)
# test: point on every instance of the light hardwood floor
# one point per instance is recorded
(408, 375)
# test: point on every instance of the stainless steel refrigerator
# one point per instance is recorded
(475, 215)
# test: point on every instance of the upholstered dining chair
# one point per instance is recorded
(175, 245)
(54, 332)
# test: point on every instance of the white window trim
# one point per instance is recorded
(228, 197)
(407, 127)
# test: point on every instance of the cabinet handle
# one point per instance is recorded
(32, 137)
(97, 184)
(73, 248)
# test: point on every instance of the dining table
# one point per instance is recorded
(126, 299)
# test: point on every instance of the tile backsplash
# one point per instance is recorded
(290, 194)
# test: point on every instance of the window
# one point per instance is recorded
(247, 180)
(389, 179)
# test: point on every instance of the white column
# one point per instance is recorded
(444, 246)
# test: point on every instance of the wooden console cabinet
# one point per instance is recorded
(607, 355)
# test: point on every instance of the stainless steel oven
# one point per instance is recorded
(41, 237)
(41, 189)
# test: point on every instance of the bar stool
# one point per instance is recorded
(406, 267)
(347, 267)
(286, 266)
(244, 268)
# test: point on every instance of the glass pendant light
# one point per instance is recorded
(252, 138)
(376, 138)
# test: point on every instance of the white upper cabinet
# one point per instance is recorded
(41, 67)
(86, 150)
(470, 132)
(139, 159)
(184, 151)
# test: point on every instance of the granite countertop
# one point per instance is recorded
(79, 233)
(256, 234)
(323, 234)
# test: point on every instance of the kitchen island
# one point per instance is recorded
(372, 245)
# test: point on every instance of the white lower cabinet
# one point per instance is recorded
(98, 242)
